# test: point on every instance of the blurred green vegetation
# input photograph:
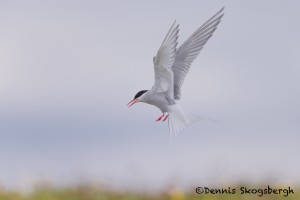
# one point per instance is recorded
(98, 193)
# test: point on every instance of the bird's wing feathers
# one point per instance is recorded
(163, 63)
(190, 49)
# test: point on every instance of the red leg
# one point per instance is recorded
(166, 117)
(158, 119)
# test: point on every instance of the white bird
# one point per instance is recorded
(171, 66)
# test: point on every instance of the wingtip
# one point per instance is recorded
(220, 13)
(222, 9)
(174, 23)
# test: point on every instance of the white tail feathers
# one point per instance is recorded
(179, 118)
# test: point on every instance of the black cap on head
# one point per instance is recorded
(140, 93)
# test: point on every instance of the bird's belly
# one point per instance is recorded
(160, 102)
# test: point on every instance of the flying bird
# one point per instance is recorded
(171, 66)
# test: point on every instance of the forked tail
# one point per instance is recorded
(179, 118)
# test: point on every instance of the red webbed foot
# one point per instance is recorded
(166, 117)
(158, 119)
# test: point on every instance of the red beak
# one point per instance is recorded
(133, 101)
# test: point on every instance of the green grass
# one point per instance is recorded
(98, 193)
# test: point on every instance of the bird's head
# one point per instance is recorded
(137, 98)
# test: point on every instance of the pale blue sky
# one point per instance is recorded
(68, 68)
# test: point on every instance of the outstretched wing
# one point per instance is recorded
(190, 49)
(163, 63)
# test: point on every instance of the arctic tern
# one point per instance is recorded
(171, 66)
